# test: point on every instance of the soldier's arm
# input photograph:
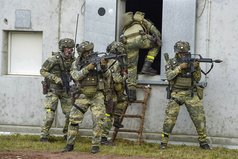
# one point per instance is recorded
(171, 71)
(197, 74)
(45, 70)
(151, 28)
(116, 73)
(78, 74)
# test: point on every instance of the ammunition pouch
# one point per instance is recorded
(199, 90)
(89, 91)
(182, 82)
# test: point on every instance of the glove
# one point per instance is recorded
(183, 65)
(104, 62)
(90, 66)
(196, 64)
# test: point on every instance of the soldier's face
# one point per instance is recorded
(68, 52)
(182, 54)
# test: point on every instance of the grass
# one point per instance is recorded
(123, 148)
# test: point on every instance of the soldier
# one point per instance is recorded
(114, 91)
(91, 86)
(139, 33)
(183, 91)
(56, 72)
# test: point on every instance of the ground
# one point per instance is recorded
(59, 155)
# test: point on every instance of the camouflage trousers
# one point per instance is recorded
(97, 107)
(133, 45)
(195, 109)
(51, 104)
(118, 111)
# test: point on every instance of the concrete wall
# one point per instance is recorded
(216, 35)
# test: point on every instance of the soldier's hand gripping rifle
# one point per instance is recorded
(191, 58)
(96, 59)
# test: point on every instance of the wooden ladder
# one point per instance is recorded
(146, 90)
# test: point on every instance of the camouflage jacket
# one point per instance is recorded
(53, 67)
(174, 73)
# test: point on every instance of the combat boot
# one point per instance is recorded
(106, 142)
(44, 139)
(68, 148)
(132, 95)
(65, 137)
(205, 146)
(117, 124)
(95, 149)
(147, 69)
(163, 145)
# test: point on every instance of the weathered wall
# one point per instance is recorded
(216, 35)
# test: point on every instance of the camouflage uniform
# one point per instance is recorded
(114, 91)
(139, 33)
(183, 87)
(91, 85)
(52, 69)
(114, 96)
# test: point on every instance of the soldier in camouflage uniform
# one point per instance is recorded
(139, 33)
(53, 69)
(116, 100)
(91, 85)
(183, 90)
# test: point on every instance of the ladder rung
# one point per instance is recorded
(132, 116)
(128, 130)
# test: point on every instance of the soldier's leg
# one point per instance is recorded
(171, 115)
(51, 103)
(132, 73)
(75, 118)
(66, 106)
(107, 125)
(197, 114)
(98, 116)
(119, 109)
(147, 43)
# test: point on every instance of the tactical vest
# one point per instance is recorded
(60, 65)
(91, 84)
(183, 80)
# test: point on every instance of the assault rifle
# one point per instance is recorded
(96, 59)
(66, 78)
(191, 58)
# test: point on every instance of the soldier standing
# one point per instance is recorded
(116, 100)
(139, 33)
(91, 86)
(183, 90)
(56, 72)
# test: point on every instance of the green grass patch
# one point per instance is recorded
(123, 148)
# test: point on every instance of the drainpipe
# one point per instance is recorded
(208, 31)
(59, 19)
(59, 36)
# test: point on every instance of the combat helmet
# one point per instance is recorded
(181, 46)
(116, 48)
(66, 43)
(85, 46)
(127, 18)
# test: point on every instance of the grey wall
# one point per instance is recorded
(216, 35)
